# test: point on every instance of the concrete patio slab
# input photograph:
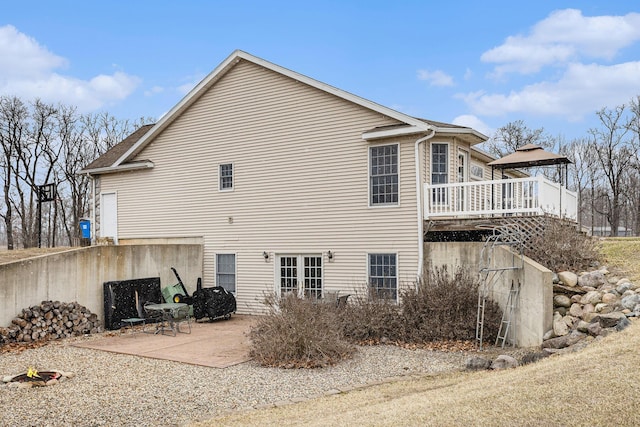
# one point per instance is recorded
(215, 344)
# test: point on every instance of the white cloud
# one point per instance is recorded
(565, 36)
(154, 90)
(28, 69)
(469, 120)
(582, 89)
(435, 78)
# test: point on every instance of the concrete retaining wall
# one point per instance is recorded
(78, 274)
(535, 305)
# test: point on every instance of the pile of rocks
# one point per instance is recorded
(590, 304)
(50, 320)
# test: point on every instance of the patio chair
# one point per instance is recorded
(131, 322)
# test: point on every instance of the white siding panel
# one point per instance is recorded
(300, 183)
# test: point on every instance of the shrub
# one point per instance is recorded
(445, 307)
(298, 333)
(370, 320)
(562, 246)
(305, 333)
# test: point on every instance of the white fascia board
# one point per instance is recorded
(389, 133)
(464, 131)
(483, 154)
(122, 168)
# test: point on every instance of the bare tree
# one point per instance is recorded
(13, 115)
(614, 156)
(582, 173)
(516, 134)
(44, 143)
(634, 127)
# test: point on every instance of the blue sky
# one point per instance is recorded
(551, 64)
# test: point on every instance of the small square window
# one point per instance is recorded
(226, 177)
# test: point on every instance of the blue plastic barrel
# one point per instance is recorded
(85, 228)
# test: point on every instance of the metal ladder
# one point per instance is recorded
(508, 235)
(508, 315)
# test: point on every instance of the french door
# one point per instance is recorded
(301, 275)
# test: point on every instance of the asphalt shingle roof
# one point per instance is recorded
(115, 152)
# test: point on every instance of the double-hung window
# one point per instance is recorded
(226, 177)
(439, 172)
(226, 271)
(383, 275)
(383, 175)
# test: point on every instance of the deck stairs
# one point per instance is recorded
(511, 236)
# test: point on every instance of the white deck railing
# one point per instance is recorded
(534, 195)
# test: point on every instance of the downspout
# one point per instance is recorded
(93, 207)
(419, 203)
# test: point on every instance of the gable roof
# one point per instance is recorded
(410, 125)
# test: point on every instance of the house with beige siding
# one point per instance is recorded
(292, 185)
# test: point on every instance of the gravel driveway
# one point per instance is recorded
(114, 389)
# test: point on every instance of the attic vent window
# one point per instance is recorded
(226, 177)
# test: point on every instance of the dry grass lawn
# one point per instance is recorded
(623, 253)
(597, 386)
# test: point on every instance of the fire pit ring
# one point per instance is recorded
(34, 378)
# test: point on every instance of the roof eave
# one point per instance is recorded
(464, 131)
(147, 164)
(390, 133)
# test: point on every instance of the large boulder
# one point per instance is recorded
(561, 300)
(594, 329)
(622, 323)
(609, 298)
(575, 310)
(592, 279)
(591, 297)
(504, 362)
(564, 341)
(560, 327)
(630, 301)
(568, 278)
(583, 326)
(610, 320)
(478, 363)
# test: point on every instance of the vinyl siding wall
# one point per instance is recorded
(301, 184)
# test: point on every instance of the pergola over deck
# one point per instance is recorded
(504, 197)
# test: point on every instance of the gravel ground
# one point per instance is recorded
(121, 390)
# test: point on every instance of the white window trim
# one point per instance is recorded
(233, 177)
(235, 268)
(472, 176)
(368, 264)
(300, 256)
(448, 144)
(467, 160)
(383, 206)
